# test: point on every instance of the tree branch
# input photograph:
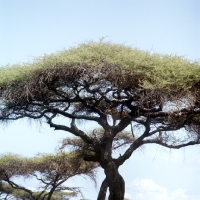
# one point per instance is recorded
(16, 186)
(136, 144)
(170, 146)
(74, 130)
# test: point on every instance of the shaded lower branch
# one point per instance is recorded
(16, 186)
(74, 130)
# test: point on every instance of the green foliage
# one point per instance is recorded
(65, 163)
(13, 163)
(158, 71)
(51, 170)
(7, 189)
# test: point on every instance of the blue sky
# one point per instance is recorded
(33, 28)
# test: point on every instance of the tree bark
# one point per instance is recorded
(115, 182)
(103, 190)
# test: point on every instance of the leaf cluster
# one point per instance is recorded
(152, 70)
(51, 170)
(65, 164)
(7, 189)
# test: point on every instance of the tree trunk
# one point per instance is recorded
(115, 182)
(103, 190)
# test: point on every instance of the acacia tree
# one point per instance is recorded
(51, 171)
(158, 93)
(5, 191)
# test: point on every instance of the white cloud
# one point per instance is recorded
(180, 194)
(127, 196)
(147, 189)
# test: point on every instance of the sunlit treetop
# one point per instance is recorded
(152, 70)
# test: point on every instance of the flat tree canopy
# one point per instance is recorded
(151, 70)
(154, 94)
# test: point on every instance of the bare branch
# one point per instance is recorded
(171, 146)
